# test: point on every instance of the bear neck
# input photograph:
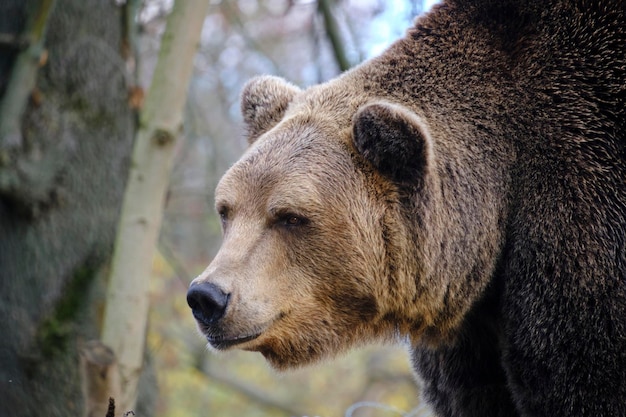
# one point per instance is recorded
(456, 221)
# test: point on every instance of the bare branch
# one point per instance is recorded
(334, 35)
(24, 74)
(233, 17)
(251, 393)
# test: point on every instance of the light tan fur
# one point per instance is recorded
(304, 293)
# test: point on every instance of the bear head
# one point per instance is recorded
(321, 247)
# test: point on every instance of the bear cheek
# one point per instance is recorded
(312, 333)
(296, 340)
(321, 316)
(256, 302)
(319, 287)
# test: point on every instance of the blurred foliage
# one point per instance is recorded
(241, 39)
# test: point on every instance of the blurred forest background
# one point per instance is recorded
(62, 175)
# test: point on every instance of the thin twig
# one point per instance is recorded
(24, 74)
(233, 17)
(251, 393)
(111, 409)
(170, 257)
(334, 35)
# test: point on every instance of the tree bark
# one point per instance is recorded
(126, 311)
(74, 154)
(18, 182)
(24, 73)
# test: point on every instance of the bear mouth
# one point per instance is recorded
(221, 339)
(221, 343)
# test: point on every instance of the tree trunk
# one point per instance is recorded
(126, 311)
(57, 223)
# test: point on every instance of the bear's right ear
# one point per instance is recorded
(394, 140)
(264, 100)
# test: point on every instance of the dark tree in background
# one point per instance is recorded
(61, 183)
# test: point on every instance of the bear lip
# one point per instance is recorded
(221, 343)
(221, 340)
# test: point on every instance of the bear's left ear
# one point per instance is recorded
(394, 140)
(264, 101)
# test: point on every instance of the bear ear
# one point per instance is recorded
(264, 100)
(394, 140)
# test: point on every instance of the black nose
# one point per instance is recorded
(207, 301)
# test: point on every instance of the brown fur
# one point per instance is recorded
(368, 292)
(464, 190)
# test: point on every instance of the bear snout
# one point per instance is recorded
(207, 301)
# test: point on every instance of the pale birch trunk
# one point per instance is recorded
(125, 319)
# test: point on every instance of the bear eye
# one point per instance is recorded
(222, 211)
(291, 220)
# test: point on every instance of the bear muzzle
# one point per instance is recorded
(208, 302)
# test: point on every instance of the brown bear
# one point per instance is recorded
(464, 191)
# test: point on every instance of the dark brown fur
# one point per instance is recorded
(465, 190)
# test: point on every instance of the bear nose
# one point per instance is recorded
(207, 301)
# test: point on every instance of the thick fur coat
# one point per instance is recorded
(466, 190)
